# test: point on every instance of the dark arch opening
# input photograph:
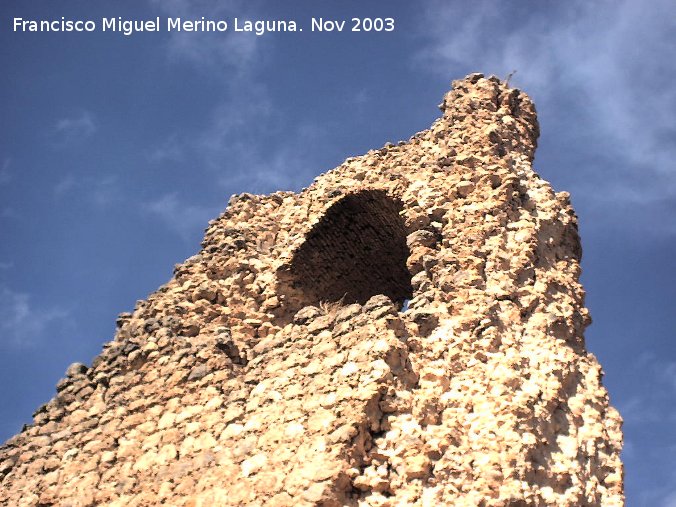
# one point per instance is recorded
(357, 250)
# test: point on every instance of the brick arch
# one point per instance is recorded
(356, 250)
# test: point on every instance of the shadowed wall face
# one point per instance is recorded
(357, 250)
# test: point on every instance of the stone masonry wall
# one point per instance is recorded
(278, 367)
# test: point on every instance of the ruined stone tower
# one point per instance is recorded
(406, 331)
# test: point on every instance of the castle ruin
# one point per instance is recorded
(408, 330)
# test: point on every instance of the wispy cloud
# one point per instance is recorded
(99, 192)
(607, 67)
(249, 145)
(670, 499)
(78, 126)
(246, 142)
(668, 375)
(651, 411)
(361, 98)
(6, 265)
(171, 150)
(21, 324)
(659, 373)
(105, 191)
(289, 167)
(240, 137)
(181, 217)
(665, 496)
(65, 185)
(5, 175)
(232, 140)
(9, 213)
(211, 51)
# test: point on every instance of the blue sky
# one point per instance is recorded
(115, 152)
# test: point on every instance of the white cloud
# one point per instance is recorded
(612, 60)
(182, 218)
(6, 265)
(21, 324)
(78, 126)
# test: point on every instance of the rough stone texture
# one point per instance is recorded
(278, 367)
